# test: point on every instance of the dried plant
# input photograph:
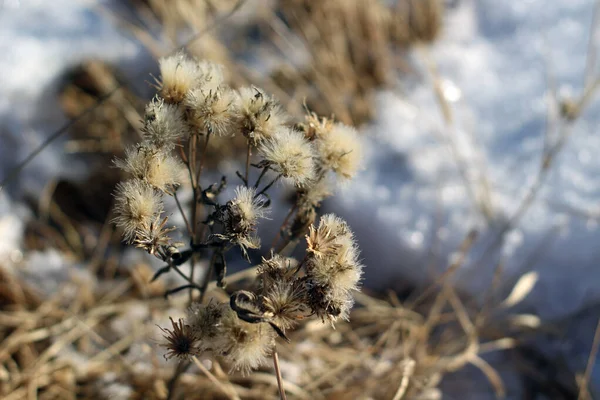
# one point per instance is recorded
(194, 104)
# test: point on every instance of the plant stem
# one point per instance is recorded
(267, 187)
(207, 277)
(187, 223)
(283, 225)
(230, 392)
(278, 375)
(248, 154)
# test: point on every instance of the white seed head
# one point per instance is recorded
(136, 207)
(163, 124)
(179, 74)
(333, 270)
(213, 110)
(314, 193)
(250, 207)
(340, 150)
(158, 168)
(290, 155)
(244, 346)
(260, 114)
(210, 76)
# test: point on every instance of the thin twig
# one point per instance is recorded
(590, 364)
(187, 223)
(180, 369)
(229, 392)
(268, 186)
(283, 225)
(278, 375)
(248, 154)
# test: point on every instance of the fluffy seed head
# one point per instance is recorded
(244, 346)
(213, 110)
(136, 206)
(333, 269)
(260, 115)
(204, 319)
(158, 168)
(178, 74)
(210, 75)
(311, 195)
(340, 150)
(155, 237)
(290, 155)
(163, 125)
(284, 303)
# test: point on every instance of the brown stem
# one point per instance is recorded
(278, 375)
(187, 223)
(248, 154)
(207, 277)
(181, 368)
(202, 158)
(283, 225)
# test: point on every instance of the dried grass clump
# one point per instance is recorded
(349, 48)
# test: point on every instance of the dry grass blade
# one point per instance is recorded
(522, 288)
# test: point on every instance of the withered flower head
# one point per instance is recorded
(291, 155)
(156, 167)
(163, 125)
(136, 206)
(213, 110)
(241, 216)
(155, 237)
(179, 74)
(181, 341)
(260, 115)
(340, 150)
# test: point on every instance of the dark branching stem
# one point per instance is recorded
(181, 368)
(268, 186)
(187, 223)
(180, 288)
(207, 276)
(262, 174)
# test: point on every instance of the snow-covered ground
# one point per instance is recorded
(496, 63)
(427, 182)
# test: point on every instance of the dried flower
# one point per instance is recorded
(181, 342)
(158, 168)
(213, 110)
(163, 125)
(340, 150)
(245, 346)
(136, 206)
(284, 303)
(310, 196)
(333, 271)
(260, 115)
(290, 155)
(205, 319)
(241, 216)
(155, 237)
(179, 74)
(210, 76)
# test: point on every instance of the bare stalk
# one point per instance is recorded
(278, 375)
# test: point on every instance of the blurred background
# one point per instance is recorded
(480, 126)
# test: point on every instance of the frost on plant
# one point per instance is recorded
(193, 104)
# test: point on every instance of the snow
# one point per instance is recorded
(39, 41)
(429, 181)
